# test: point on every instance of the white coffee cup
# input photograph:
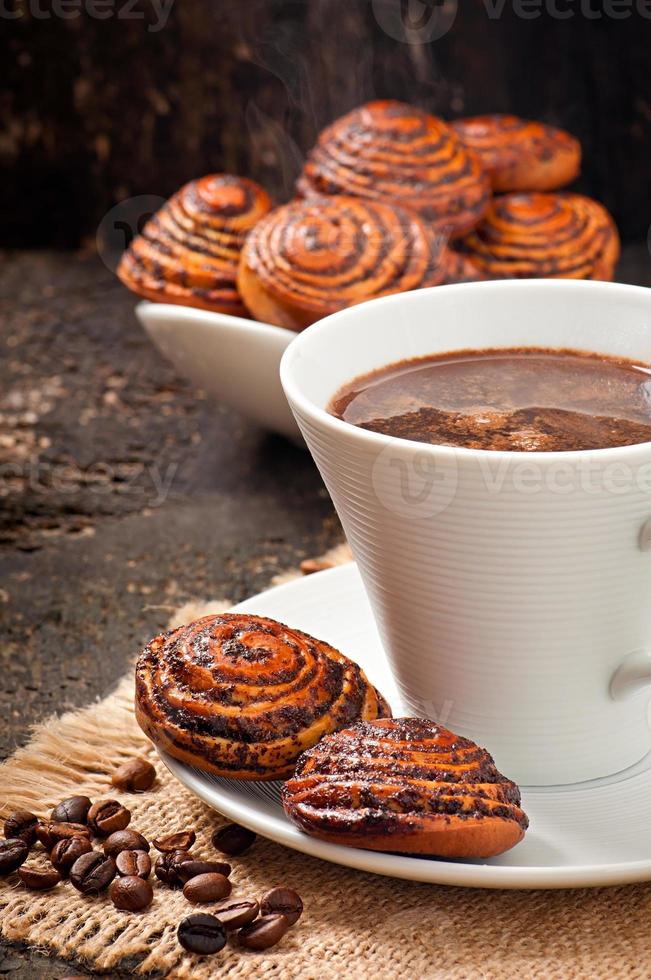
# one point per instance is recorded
(512, 590)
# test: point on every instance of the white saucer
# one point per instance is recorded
(596, 833)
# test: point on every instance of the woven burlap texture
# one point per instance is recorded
(355, 925)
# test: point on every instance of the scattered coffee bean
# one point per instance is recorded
(49, 832)
(65, 852)
(182, 841)
(74, 809)
(129, 863)
(21, 823)
(285, 901)
(206, 888)
(168, 865)
(107, 816)
(92, 872)
(233, 839)
(124, 840)
(201, 934)
(264, 932)
(135, 776)
(192, 868)
(38, 879)
(131, 894)
(234, 915)
(12, 854)
(44, 836)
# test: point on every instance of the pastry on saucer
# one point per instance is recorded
(242, 696)
(405, 785)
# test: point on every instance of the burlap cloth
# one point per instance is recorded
(355, 925)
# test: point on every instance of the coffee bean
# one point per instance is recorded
(124, 840)
(234, 915)
(65, 852)
(131, 894)
(129, 863)
(49, 832)
(206, 888)
(233, 839)
(264, 932)
(107, 816)
(74, 809)
(21, 823)
(168, 867)
(44, 836)
(285, 901)
(135, 776)
(38, 879)
(201, 934)
(182, 841)
(12, 854)
(92, 872)
(190, 869)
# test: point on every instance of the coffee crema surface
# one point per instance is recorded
(519, 399)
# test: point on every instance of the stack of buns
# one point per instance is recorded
(249, 698)
(391, 198)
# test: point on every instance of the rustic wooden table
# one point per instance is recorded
(125, 494)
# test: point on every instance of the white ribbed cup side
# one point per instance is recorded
(504, 610)
(508, 587)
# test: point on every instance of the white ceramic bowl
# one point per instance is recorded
(236, 361)
(511, 590)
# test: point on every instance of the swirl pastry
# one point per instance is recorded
(390, 151)
(243, 695)
(459, 268)
(311, 258)
(521, 155)
(189, 251)
(405, 785)
(555, 236)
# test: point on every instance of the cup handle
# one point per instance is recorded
(632, 675)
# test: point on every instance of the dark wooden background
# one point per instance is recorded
(95, 111)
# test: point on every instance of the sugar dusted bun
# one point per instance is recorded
(311, 258)
(390, 151)
(243, 696)
(405, 785)
(521, 155)
(555, 236)
(189, 251)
